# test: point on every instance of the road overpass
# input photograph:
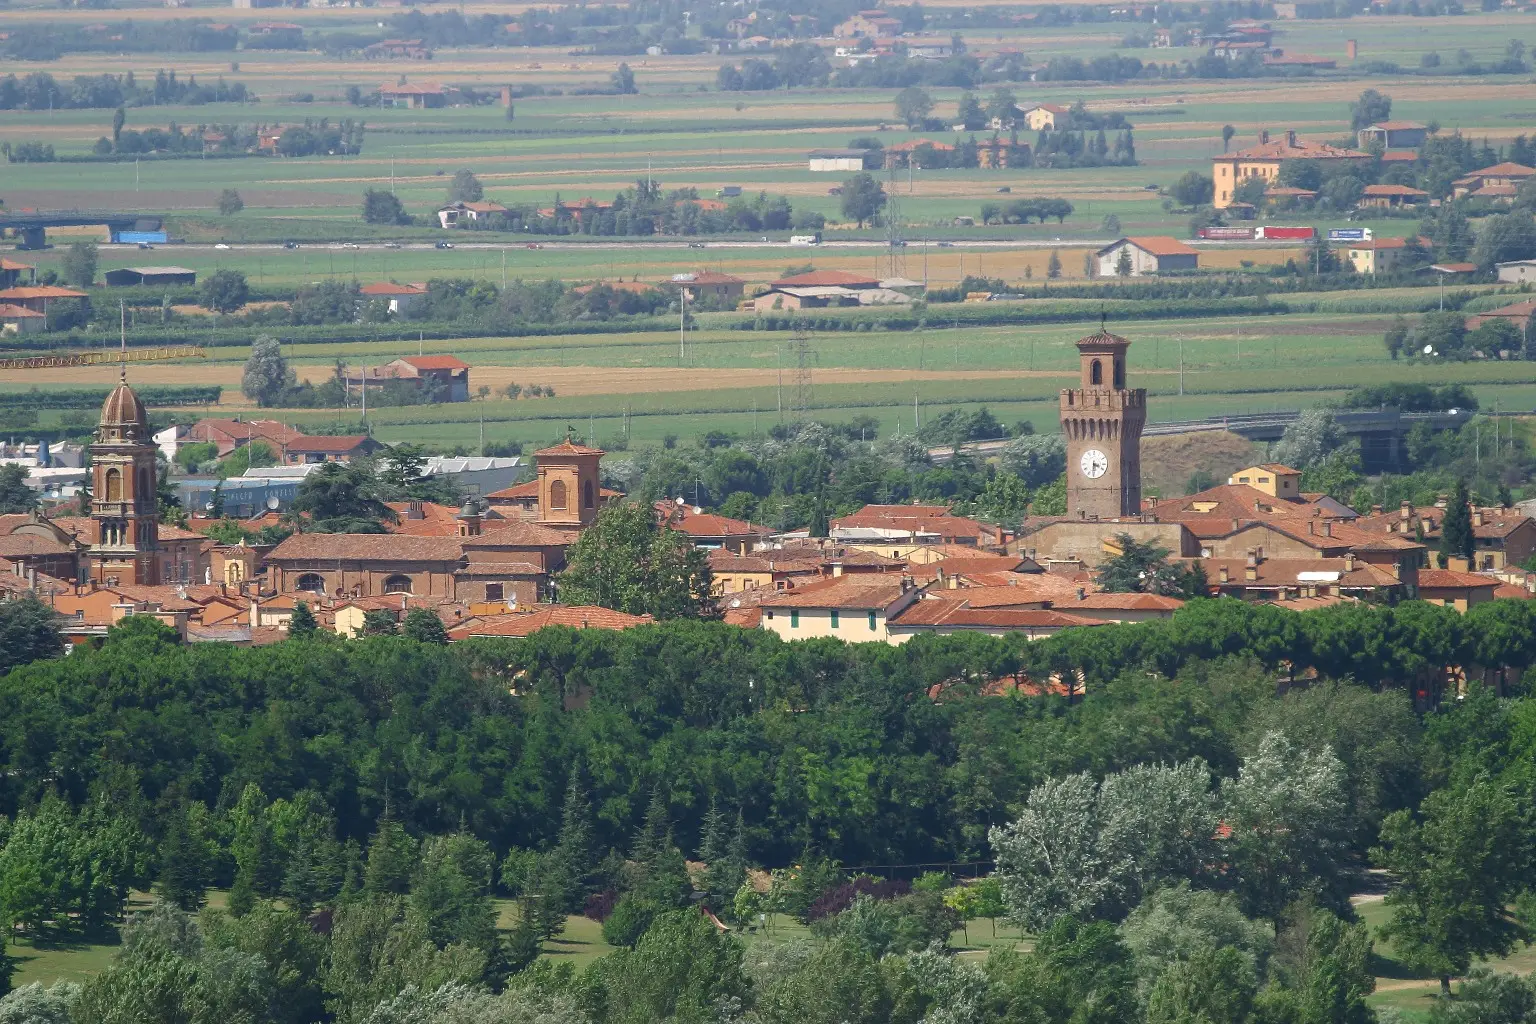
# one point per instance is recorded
(32, 225)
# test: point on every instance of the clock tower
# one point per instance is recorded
(1101, 420)
(123, 499)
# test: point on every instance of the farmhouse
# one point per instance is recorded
(20, 320)
(446, 376)
(1229, 170)
(1517, 271)
(1497, 182)
(699, 283)
(1044, 117)
(37, 297)
(1149, 254)
(869, 24)
(1393, 135)
(413, 96)
(1391, 195)
(836, 159)
(1377, 256)
(455, 214)
(399, 297)
(12, 272)
(304, 449)
(819, 288)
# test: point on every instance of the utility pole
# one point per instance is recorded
(1181, 367)
(682, 327)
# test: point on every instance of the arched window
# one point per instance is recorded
(114, 485)
(312, 582)
(557, 495)
(1096, 373)
(587, 500)
(1119, 374)
(397, 584)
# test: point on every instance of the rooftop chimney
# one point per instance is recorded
(1082, 593)
(1405, 509)
(1349, 561)
(1327, 527)
(1263, 135)
(1290, 138)
(1477, 517)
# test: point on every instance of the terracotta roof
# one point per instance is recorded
(725, 560)
(568, 447)
(813, 279)
(1009, 597)
(902, 511)
(28, 545)
(1406, 156)
(525, 623)
(957, 612)
(1282, 149)
(858, 592)
(746, 617)
(706, 524)
(1288, 192)
(1373, 244)
(707, 277)
(1449, 579)
(8, 264)
(1497, 522)
(267, 430)
(1509, 590)
(1507, 169)
(41, 291)
(1124, 602)
(390, 288)
(1287, 572)
(378, 547)
(18, 312)
(435, 362)
(326, 442)
(1162, 245)
(391, 89)
(515, 534)
(1393, 190)
(1517, 310)
(165, 531)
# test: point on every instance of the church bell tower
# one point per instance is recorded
(1102, 420)
(123, 500)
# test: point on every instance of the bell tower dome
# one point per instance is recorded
(124, 504)
(1102, 421)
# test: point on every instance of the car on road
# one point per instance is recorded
(145, 245)
(1006, 188)
(946, 245)
(391, 245)
(443, 245)
(695, 245)
(349, 245)
(221, 245)
(835, 190)
(535, 245)
(290, 245)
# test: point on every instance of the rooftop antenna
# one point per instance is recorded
(122, 341)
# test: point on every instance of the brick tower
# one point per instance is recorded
(570, 489)
(1101, 420)
(123, 500)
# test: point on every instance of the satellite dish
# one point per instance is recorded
(1429, 349)
(681, 503)
(272, 503)
(208, 507)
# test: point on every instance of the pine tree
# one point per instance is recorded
(523, 942)
(713, 844)
(302, 622)
(184, 866)
(391, 858)
(575, 850)
(1053, 266)
(664, 873)
(1456, 539)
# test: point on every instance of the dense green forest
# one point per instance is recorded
(1182, 832)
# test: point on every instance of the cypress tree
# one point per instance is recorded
(302, 622)
(1456, 539)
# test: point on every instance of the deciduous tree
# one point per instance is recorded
(627, 561)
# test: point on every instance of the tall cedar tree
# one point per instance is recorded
(575, 853)
(391, 858)
(1456, 539)
(302, 622)
(664, 875)
(183, 864)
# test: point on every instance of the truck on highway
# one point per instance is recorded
(1273, 232)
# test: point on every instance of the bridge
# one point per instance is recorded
(32, 225)
(1380, 431)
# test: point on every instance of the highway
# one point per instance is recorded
(633, 243)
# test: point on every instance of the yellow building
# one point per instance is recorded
(1273, 479)
(1377, 256)
(1230, 170)
(1044, 117)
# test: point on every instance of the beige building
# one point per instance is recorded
(1044, 117)
(853, 608)
(1273, 479)
(1230, 170)
(1377, 256)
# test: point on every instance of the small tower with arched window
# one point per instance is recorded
(570, 488)
(124, 504)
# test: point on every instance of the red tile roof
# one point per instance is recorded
(390, 288)
(1393, 190)
(41, 291)
(1449, 579)
(386, 547)
(326, 442)
(569, 447)
(1162, 245)
(857, 592)
(958, 612)
(1282, 149)
(516, 624)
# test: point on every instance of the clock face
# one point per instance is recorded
(1093, 464)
